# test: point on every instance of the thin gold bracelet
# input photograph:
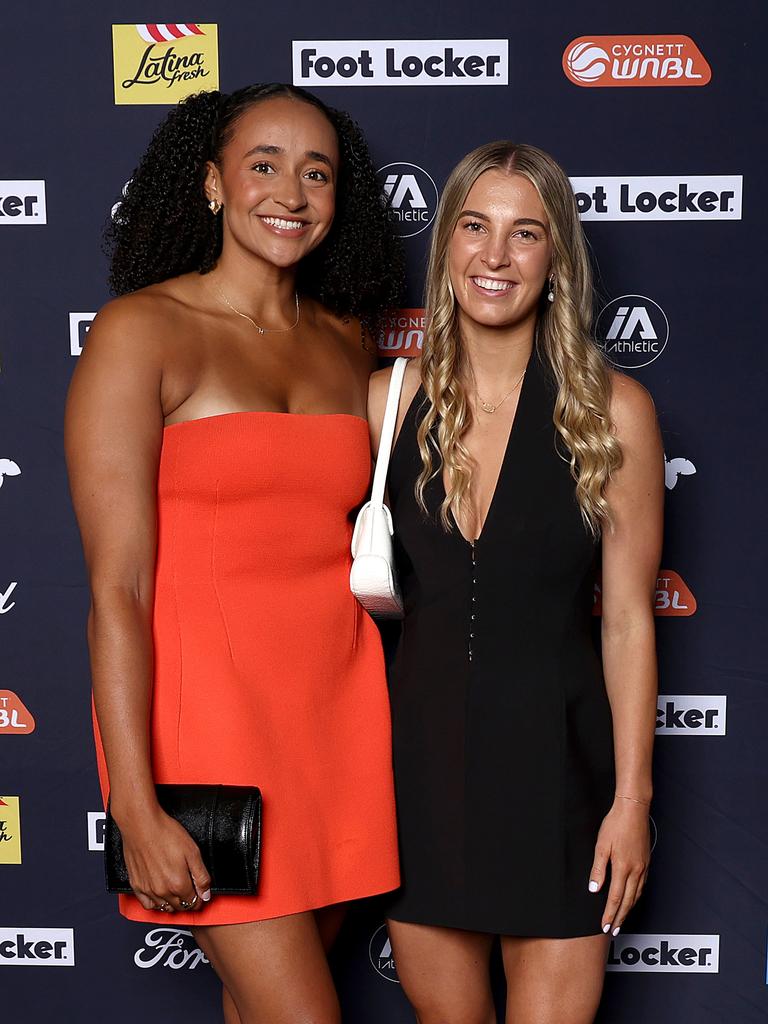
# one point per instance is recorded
(646, 803)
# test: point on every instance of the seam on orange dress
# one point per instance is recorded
(213, 575)
(174, 537)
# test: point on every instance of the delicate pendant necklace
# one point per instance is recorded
(261, 330)
(490, 407)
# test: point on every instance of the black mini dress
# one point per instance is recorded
(502, 731)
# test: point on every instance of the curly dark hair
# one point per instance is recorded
(163, 227)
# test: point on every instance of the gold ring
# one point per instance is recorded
(165, 906)
(188, 906)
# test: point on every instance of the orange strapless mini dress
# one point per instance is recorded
(267, 670)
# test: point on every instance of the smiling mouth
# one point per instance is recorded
(492, 285)
(284, 225)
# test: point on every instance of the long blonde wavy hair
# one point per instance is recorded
(562, 339)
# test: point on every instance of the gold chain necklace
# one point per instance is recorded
(489, 407)
(261, 330)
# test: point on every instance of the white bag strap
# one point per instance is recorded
(388, 430)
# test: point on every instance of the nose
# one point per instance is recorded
(289, 192)
(496, 253)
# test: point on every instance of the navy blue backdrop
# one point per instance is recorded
(657, 110)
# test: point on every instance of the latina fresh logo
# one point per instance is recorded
(10, 830)
(163, 63)
(592, 61)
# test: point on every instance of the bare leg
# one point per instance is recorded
(231, 1016)
(444, 973)
(554, 981)
(275, 972)
(329, 922)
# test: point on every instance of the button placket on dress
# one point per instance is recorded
(473, 602)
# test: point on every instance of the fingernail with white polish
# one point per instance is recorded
(593, 886)
(606, 928)
(616, 931)
(206, 895)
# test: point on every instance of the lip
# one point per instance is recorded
(301, 228)
(492, 293)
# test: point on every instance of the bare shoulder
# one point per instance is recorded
(378, 388)
(131, 327)
(632, 409)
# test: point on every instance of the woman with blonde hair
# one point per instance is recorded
(522, 759)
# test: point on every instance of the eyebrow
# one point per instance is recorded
(520, 220)
(312, 154)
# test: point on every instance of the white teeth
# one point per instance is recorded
(492, 284)
(278, 222)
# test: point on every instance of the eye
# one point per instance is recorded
(262, 167)
(473, 226)
(526, 235)
(317, 175)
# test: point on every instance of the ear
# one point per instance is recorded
(212, 184)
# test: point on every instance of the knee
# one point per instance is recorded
(249, 1015)
(440, 1013)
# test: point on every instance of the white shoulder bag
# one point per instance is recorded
(372, 579)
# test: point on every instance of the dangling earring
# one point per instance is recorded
(214, 206)
(551, 293)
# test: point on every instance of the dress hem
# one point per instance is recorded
(516, 933)
(197, 918)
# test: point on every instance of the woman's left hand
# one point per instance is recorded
(624, 840)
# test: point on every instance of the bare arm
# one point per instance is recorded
(113, 437)
(631, 554)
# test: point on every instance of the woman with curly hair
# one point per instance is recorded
(216, 443)
(522, 766)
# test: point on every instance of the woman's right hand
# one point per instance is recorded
(164, 864)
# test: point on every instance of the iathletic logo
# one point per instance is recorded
(632, 330)
(412, 196)
(380, 954)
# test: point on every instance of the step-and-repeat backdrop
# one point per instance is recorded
(657, 111)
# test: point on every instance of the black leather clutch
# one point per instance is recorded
(224, 821)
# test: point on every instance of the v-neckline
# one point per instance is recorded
(502, 465)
